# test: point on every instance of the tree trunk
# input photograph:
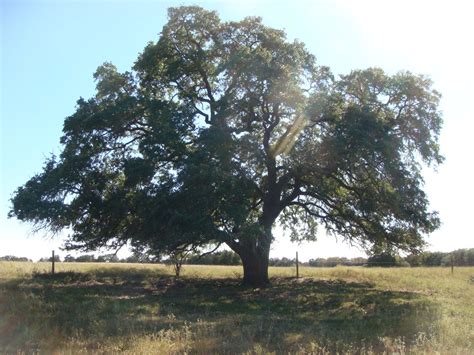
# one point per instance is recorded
(255, 269)
(255, 260)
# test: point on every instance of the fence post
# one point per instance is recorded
(452, 264)
(52, 264)
(297, 267)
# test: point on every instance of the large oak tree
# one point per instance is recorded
(224, 129)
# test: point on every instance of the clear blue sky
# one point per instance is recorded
(49, 50)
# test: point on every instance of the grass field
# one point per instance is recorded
(133, 308)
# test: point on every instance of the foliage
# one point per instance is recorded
(57, 258)
(383, 259)
(334, 261)
(87, 258)
(140, 258)
(177, 259)
(460, 257)
(14, 258)
(432, 259)
(414, 259)
(224, 257)
(282, 262)
(223, 129)
(110, 258)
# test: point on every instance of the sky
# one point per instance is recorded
(50, 49)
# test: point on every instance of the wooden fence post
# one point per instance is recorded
(52, 264)
(297, 267)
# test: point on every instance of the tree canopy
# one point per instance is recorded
(223, 129)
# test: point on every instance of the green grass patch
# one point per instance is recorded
(97, 308)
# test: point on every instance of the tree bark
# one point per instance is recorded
(255, 260)
(255, 269)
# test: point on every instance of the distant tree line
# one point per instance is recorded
(90, 258)
(334, 261)
(224, 257)
(14, 258)
(460, 257)
(57, 258)
(107, 258)
(110, 258)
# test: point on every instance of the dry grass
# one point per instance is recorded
(109, 308)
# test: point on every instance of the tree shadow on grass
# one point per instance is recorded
(334, 313)
(116, 303)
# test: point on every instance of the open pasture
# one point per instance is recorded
(136, 308)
